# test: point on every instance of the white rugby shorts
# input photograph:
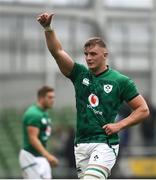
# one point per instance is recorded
(34, 167)
(98, 154)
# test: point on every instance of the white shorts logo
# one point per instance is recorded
(107, 88)
(93, 100)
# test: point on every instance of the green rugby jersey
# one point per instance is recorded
(98, 99)
(37, 117)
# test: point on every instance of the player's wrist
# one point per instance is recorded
(47, 28)
(122, 124)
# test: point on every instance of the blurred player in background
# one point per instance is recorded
(100, 91)
(34, 159)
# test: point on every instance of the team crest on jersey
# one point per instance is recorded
(107, 88)
(44, 121)
(85, 81)
(93, 100)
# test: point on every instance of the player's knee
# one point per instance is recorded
(89, 176)
(95, 172)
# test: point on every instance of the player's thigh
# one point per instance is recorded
(31, 173)
(81, 158)
(103, 158)
(44, 168)
(29, 165)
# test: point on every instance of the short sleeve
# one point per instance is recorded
(76, 71)
(129, 90)
(33, 120)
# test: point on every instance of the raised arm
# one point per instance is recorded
(63, 60)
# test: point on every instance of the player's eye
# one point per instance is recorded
(93, 53)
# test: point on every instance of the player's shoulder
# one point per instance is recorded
(119, 75)
(80, 66)
(33, 110)
(78, 71)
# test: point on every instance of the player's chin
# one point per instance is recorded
(48, 106)
(91, 67)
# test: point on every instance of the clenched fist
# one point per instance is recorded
(52, 160)
(45, 19)
(112, 128)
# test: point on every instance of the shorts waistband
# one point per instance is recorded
(115, 143)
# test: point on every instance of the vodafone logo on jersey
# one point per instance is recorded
(93, 100)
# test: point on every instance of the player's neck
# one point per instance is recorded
(101, 70)
(41, 106)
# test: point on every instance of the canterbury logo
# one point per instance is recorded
(85, 81)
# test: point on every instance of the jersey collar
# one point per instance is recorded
(105, 71)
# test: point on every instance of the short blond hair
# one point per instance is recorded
(93, 41)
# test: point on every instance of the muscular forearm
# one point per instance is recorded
(140, 112)
(135, 117)
(53, 43)
(35, 142)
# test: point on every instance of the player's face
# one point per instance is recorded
(95, 57)
(49, 99)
